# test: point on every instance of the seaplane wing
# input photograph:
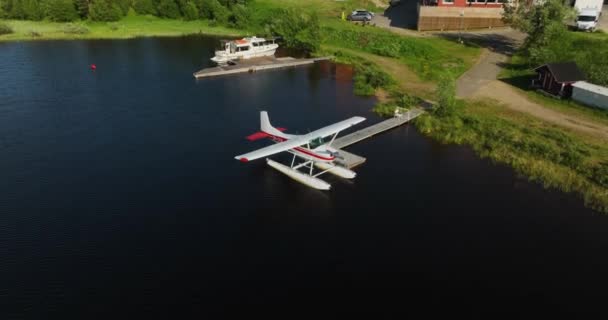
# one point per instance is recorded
(273, 149)
(335, 128)
(293, 141)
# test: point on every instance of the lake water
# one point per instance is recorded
(119, 196)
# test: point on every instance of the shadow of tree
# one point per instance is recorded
(493, 41)
(403, 15)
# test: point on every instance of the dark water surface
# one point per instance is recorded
(120, 197)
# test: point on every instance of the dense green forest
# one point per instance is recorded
(229, 12)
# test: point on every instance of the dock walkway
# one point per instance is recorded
(255, 64)
(351, 160)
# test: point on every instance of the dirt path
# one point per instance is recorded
(509, 97)
(498, 47)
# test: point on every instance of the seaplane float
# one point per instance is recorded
(311, 150)
(246, 48)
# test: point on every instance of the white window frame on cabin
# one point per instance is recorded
(450, 2)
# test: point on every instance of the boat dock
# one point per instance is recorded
(352, 160)
(255, 64)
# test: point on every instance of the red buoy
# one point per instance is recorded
(93, 67)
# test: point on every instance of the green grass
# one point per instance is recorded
(129, 27)
(543, 153)
(326, 8)
(429, 58)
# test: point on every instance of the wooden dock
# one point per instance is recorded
(255, 64)
(351, 160)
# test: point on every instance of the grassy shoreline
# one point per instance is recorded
(127, 28)
(555, 157)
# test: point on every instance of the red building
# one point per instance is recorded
(471, 4)
(459, 14)
(557, 78)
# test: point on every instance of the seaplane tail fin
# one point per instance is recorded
(266, 127)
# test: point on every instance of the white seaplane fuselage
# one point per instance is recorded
(321, 153)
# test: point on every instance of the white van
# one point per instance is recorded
(587, 20)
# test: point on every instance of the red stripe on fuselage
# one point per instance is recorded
(299, 149)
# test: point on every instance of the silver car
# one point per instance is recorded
(360, 16)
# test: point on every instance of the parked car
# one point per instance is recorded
(360, 16)
(363, 11)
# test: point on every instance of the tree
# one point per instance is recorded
(446, 95)
(15, 9)
(124, 5)
(82, 6)
(103, 10)
(32, 10)
(144, 7)
(544, 24)
(240, 16)
(213, 10)
(299, 30)
(190, 11)
(168, 9)
(61, 10)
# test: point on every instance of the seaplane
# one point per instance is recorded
(310, 150)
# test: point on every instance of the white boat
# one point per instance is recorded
(246, 48)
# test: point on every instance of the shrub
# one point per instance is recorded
(446, 94)
(113, 26)
(5, 29)
(61, 10)
(71, 28)
(368, 78)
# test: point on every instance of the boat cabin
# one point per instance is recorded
(557, 78)
(245, 44)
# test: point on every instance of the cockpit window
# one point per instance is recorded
(314, 143)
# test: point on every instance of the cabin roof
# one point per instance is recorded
(563, 71)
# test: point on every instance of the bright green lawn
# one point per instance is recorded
(129, 27)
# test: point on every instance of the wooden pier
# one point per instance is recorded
(255, 64)
(352, 160)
